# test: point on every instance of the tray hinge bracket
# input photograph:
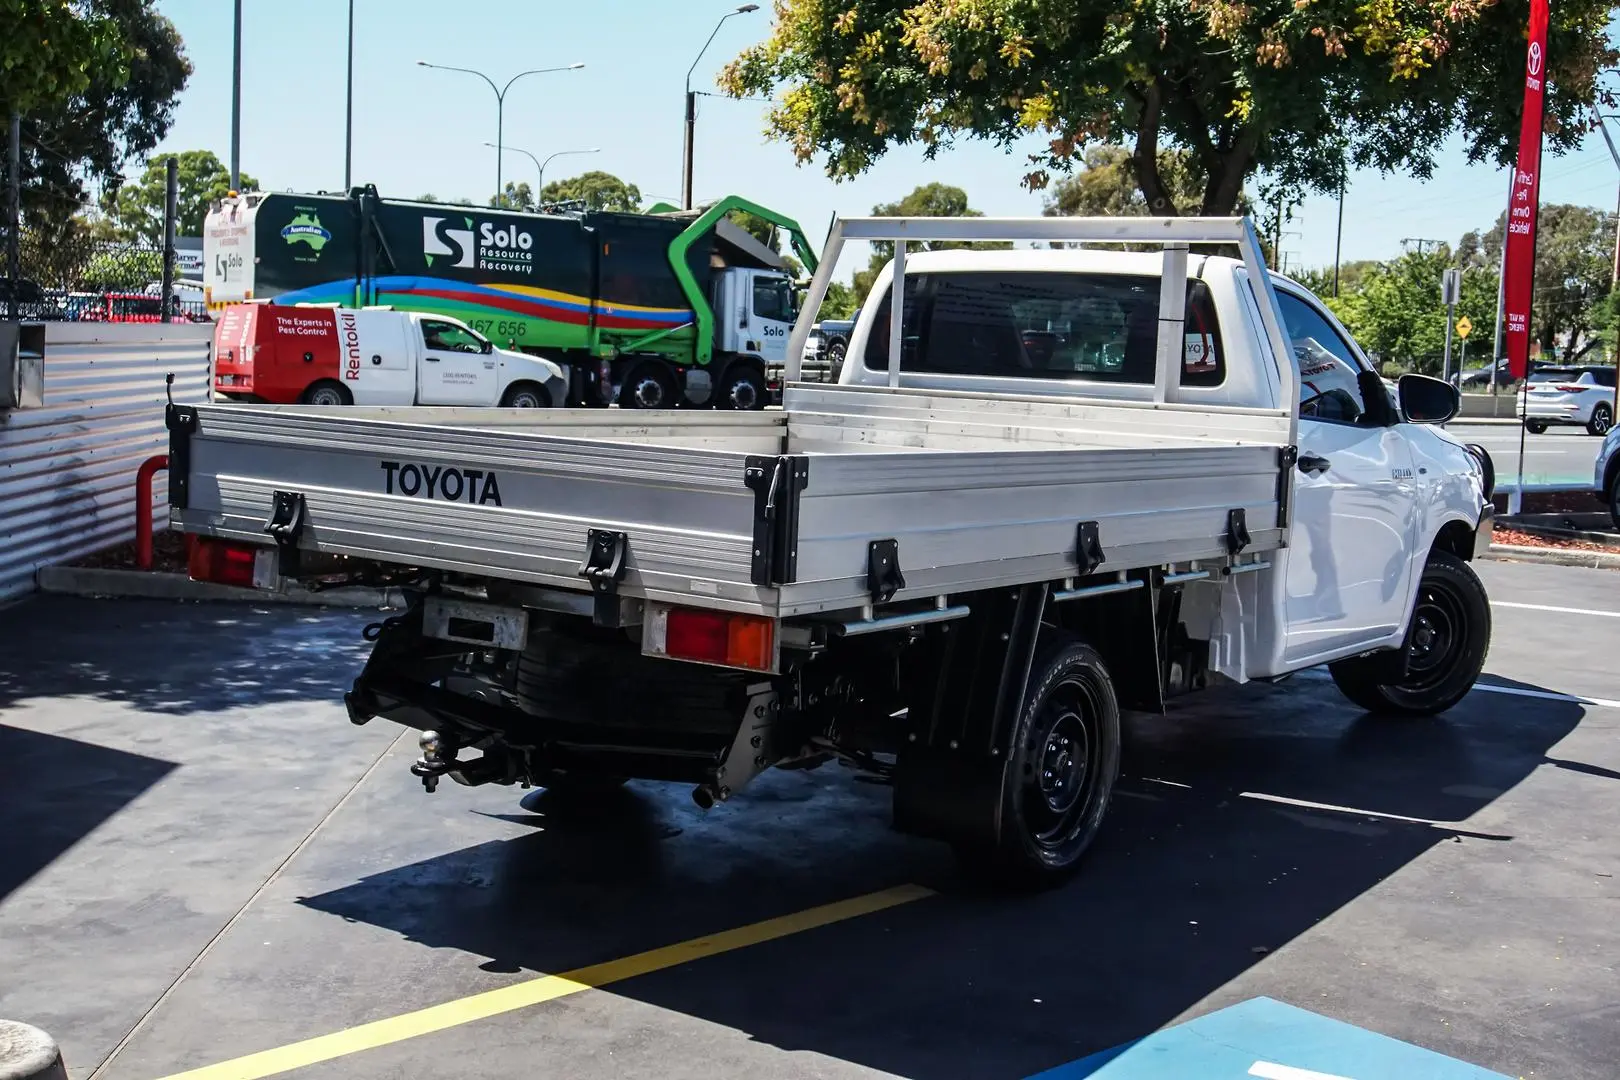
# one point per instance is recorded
(605, 551)
(1237, 531)
(1088, 549)
(776, 483)
(288, 514)
(1287, 458)
(181, 421)
(883, 575)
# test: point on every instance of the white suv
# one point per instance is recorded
(1583, 395)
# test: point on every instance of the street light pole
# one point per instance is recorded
(500, 104)
(691, 108)
(348, 122)
(540, 166)
(236, 101)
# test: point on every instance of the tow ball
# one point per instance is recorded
(438, 758)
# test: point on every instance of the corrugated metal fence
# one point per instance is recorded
(67, 470)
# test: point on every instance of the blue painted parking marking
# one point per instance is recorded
(1270, 1040)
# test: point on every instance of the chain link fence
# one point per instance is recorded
(69, 275)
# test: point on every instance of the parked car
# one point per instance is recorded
(1569, 395)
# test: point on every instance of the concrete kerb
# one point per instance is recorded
(145, 585)
(1592, 560)
(27, 1053)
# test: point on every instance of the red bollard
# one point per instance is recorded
(143, 508)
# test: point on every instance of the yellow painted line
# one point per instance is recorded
(545, 988)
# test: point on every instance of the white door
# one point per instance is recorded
(770, 317)
(1355, 532)
(458, 367)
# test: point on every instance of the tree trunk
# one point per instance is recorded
(1227, 173)
(1145, 158)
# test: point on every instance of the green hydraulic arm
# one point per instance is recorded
(702, 314)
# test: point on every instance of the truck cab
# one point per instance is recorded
(754, 314)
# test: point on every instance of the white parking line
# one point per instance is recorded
(1560, 610)
(1267, 1070)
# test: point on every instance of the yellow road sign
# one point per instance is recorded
(1464, 326)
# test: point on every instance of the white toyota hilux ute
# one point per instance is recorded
(1061, 484)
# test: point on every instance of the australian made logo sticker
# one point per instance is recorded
(305, 228)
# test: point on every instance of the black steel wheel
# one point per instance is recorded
(1443, 654)
(1602, 420)
(835, 360)
(328, 393)
(649, 386)
(1062, 761)
(1535, 427)
(742, 387)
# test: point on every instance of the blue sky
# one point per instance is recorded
(419, 130)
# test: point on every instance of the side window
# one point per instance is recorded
(448, 337)
(1328, 370)
(1075, 327)
(772, 300)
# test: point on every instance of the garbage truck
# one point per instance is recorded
(650, 310)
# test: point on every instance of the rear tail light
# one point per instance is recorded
(727, 639)
(1571, 389)
(224, 563)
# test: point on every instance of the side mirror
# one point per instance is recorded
(486, 347)
(1428, 401)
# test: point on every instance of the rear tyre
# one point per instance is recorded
(742, 387)
(1535, 427)
(328, 393)
(1061, 764)
(526, 395)
(1602, 420)
(1445, 647)
(650, 386)
(1614, 499)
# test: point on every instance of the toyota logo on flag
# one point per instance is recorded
(1535, 58)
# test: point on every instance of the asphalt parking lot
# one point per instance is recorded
(206, 870)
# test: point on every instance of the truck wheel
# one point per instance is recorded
(1445, 647)
(1535, 427)
(1602, 420)
(742, 387)
(326, 392)
(526, 395)
(1062, 761)
(648, 387)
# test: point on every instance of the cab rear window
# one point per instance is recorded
(1080, 327)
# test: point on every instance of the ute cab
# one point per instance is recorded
(311, 355)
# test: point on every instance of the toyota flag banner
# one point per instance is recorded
(1520, 263)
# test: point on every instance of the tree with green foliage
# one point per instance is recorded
(518, 196)
(136, 209)
(1394, 310)
(1299, 90)
(840, 301)
(597, 190)
(1574, 273)
(1105, 186)
(929, 200)
(95, 82)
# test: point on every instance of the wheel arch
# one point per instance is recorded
(1456, 537)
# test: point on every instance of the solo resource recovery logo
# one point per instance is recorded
(306, 229)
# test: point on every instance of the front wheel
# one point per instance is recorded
(1444, 649)
(835, 360)
(742, 387)
(649, 386)
(1602, 420)
(526, 395)
(1062, 761)
(1535, 427)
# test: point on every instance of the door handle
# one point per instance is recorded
(1311, 464)
(430, 359)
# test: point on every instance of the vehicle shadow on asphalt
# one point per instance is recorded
(174, 658)
(57, 791)
(1195, 880)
